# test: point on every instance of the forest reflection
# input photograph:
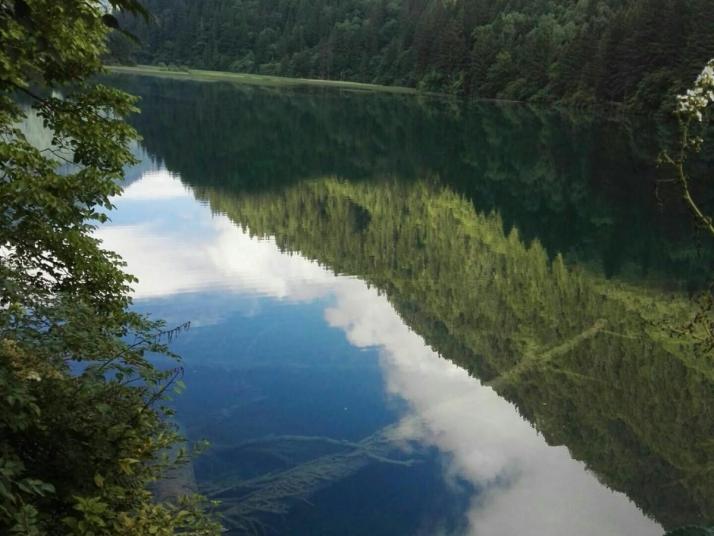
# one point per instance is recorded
(524, 247)
(589, 361)
(580, 184)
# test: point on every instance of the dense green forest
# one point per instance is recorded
(638, 52)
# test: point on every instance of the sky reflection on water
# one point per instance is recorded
(198, 266)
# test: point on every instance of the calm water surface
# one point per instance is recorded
(410, 317)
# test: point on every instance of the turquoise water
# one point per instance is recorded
(409, 317)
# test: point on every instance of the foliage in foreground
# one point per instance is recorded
(694, 115)
(83, 432)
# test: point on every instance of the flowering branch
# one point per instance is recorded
(691, 109)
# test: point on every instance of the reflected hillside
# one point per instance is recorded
(583, 188)
(587, 360)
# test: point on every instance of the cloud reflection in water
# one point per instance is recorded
(524, 486)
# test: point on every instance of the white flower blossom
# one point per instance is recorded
(694, 102)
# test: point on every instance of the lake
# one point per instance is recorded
(411, 316)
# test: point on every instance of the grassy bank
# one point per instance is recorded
(252, 79)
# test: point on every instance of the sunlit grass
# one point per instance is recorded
(252, 79)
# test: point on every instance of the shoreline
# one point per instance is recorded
(610, 110)
(200, 75)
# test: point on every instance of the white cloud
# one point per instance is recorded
(169, 262)
(155, 185)
(526, 486)
(193, 250)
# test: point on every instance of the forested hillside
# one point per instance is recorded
(633, 51)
